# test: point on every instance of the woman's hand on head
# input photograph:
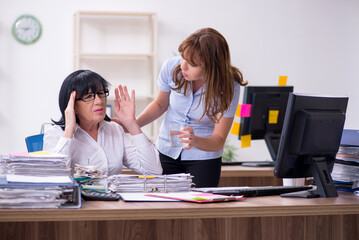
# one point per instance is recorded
(125, 109)
(70, 116)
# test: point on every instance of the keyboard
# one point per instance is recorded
(254, 191)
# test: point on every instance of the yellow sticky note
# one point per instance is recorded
(238, 111)
(273, 116)
(282, 80)
(235, 128)
(40, 152)
(246, 140)
(141, 176)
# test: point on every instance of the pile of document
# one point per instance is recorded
(39, 180)
(155, 183)
(35, 164)
(90, 178)
(29, 195)
(345, 172)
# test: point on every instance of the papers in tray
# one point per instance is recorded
(156, 183)
(198, 197)
(39, 195)
(37, 180)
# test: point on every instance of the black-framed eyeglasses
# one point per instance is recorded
(91, 96)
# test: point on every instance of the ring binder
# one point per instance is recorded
(157, 183)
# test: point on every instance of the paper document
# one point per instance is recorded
(198, 197)
(35, 179)
(141, 197)
(157, 183)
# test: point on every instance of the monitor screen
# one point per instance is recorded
(265, 100)
(310, 139)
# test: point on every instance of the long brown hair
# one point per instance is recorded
(209, 49)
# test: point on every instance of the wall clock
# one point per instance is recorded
(26, 29)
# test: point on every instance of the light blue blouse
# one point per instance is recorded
(183, 109)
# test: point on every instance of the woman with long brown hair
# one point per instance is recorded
(199, 88)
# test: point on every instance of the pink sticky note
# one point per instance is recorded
(19, 154)
(246, 110)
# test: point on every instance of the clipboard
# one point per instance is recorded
(197, 197)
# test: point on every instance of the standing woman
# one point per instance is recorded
(201, 89)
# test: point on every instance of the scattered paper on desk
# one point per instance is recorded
(282, 80)
(198, 197)
(141, 197)
(246, 140)
(235, 128)
(245, 110)
(34, 179)
(273, 116)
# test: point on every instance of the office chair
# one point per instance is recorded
(35, 143)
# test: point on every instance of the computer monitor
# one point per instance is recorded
(310, 139)
(265, 100)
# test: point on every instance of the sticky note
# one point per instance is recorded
(282, 80)
(141, 176)
(235, 129)
(238, 111)
(273, 116)
(246, 110)
(246, 140)
(40, 152)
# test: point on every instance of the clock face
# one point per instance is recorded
(26, 29)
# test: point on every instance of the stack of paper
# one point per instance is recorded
(90, 178)
(31, 197)
(157, 183)
(345, 172)
(36, 164)
(39, 180)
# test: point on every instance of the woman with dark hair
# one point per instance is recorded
(200, 88)
(88, 137)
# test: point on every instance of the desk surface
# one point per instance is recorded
(346, 203)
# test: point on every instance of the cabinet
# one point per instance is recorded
(122, 48)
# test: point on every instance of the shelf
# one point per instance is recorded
(114, 56)
(94, 14)
(122, 48)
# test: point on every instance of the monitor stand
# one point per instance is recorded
(272, 142)
(325, 187)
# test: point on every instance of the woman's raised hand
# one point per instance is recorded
(70, 116)
(125, 109)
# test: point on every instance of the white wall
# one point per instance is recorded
(314, 42)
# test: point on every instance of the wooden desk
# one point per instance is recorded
(269, 217)
(236, 175)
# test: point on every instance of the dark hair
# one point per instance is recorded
(80, 81)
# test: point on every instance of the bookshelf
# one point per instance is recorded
(121, 47)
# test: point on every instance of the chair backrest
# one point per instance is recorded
(34, 143)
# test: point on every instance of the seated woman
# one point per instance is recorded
(88, 137)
